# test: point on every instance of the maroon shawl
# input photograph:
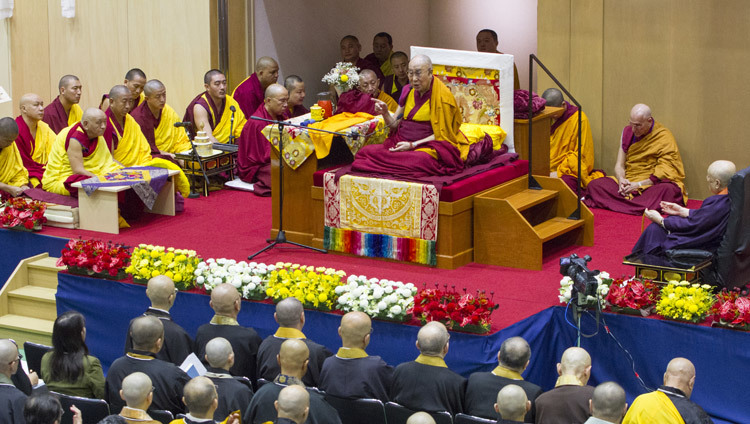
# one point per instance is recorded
(249, 94)
(26, 143)
(55, 116)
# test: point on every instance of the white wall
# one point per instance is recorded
(6, 109)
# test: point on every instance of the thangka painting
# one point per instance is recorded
(482, 84)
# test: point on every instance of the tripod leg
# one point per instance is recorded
(307, 247)
(270, 246)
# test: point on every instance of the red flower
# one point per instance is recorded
(29, 225)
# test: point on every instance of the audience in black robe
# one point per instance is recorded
(12, 399)
(234, 393)
(569, 401)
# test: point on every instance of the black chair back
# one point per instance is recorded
(161, 415)
(34, 353)
(358, 411)
(398, 414)
(92, 410)
(261, 382)
(733, 256)
(470, 419)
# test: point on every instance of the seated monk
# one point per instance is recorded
(563, 155)
(79, 152)
(254, 153)
(156, 119)
(35, 137)
(648, 169)
(360, 100)
(213, 109)
(296, 89)
(487, 42)
(64, 110)
(350, 50)
(14, 179)
(394, 83)
(427, 141)
(135, 79)
(250, 92)
(701, 228)
(382, 49)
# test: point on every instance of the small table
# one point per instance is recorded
(99, 211)
(216, 163)
(660, 270)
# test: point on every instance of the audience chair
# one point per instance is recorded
(34, 353)
(261, 382)
(470, 419)
(358, 411)
(161, 415)
(398, 414)
(92, 410)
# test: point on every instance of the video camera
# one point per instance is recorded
(584, 279)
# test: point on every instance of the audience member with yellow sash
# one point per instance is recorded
(212, 110)
(35, 137)
(14, 178)
(64, 110)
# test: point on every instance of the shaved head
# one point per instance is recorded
(640, 111)
(432, 339)
(135, 73)
(420, 418)
(152, 87)
(118, 91)
(267, 71)
(160, 290)
(199, 395)
(146, 331)
(135, 389)
(92, 114)
(514, 354)
(67, 80)
(722, 170)
(32, 107)
(265, 62)
(289, 312)
(8, 129)
(355, 327)
(293, 403)
(553, 96)
(680, 374)
(8, 356)
(293, 356)
(275, 90)
(421, 60)
(399, 55)
(369, 82)
(608, 402)
(28, 99)
(291, 81)
(218, 352)
(512, 403)
(576, 362)
(210, 75)
(225, 299)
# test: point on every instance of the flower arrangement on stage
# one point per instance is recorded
(95, 258)
(731, 310)
(149, 261)
(344, 76)
(465, 312)
(249, 278)
(22, 214)
(679, 300)
(382, 299)
(566, 290)
(314, 287)
(633, 295)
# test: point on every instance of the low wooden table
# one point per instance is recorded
(99, 211)
(214, 164)
(663, 272)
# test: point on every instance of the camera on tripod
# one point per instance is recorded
(584, 280)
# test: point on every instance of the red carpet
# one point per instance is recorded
(233, 224)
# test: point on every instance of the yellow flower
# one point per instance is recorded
(178, 277)
(155, 273)
(344, 77)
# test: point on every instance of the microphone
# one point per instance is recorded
(232, 108)
(183, 124)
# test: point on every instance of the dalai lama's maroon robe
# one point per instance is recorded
(55, 116)
(249, 94)
(26, 144)
(254, 154)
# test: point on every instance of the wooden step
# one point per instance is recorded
(43, 272)
(22, 329)
(528, 198)
(33, 301)
(555, 227)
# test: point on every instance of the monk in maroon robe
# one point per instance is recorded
(382, 49)
(250, 92)
(701, 228)
(148, 116)
(35, 137)
(64, 110)
(135, 80)
(296, 88)
(487, 42)
(254, 150)
(394, 84)
(350, 50)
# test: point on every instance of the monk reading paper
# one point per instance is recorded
(382, 49)
(360, 100)
(156, 119)
(350, 50)
(14, 179)
(487, 42)
(250, 92)
(563, 155)
(394, 83)
(135, 79)
(254, 154)
(35, 137)
(64, 110)
(212, 110)
(296, 88)
(648, 170)
(427, 141)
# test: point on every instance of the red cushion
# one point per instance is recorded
(469, 186)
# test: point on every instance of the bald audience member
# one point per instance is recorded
(352, 373)
(147, 333)
(226, 303)
(296, 89)
(177, 342)
(156, 119)
(138, 393)
(201, 401)
(250, 92)
(394, 84)
(64, 110)
(648, 169)
(426, 383)
(291, 319)
(568, 402)
(512, 404)
(293, 405)
(670, 403)
(350, 52)
(79, 152)
(14, 178)
(12, 400)
(487, 42)
(293, 359)
(35, 137)
(135, 80)
(608, 404)
(214, 111)
(420, 418)
(481, 390)
(254, 149)
(235, 393)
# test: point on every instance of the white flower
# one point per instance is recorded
(377, 292)
(251, 286)
(200, 280)
(382, 305)
(388, 289)
(364, 304)
(395, 310)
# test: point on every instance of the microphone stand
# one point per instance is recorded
(281, 235)
(196, 158)
(231, 126)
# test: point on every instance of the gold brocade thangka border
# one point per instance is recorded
(476, 90)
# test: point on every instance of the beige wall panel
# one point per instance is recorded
(29, 48)
(171, 43)
(93, 46)
(6, 109)
(553, 24)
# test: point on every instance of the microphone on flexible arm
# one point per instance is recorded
(182, 124)
(231, 124)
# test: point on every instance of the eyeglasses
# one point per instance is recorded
(417, 73)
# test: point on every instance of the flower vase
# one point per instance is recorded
(90, 273)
